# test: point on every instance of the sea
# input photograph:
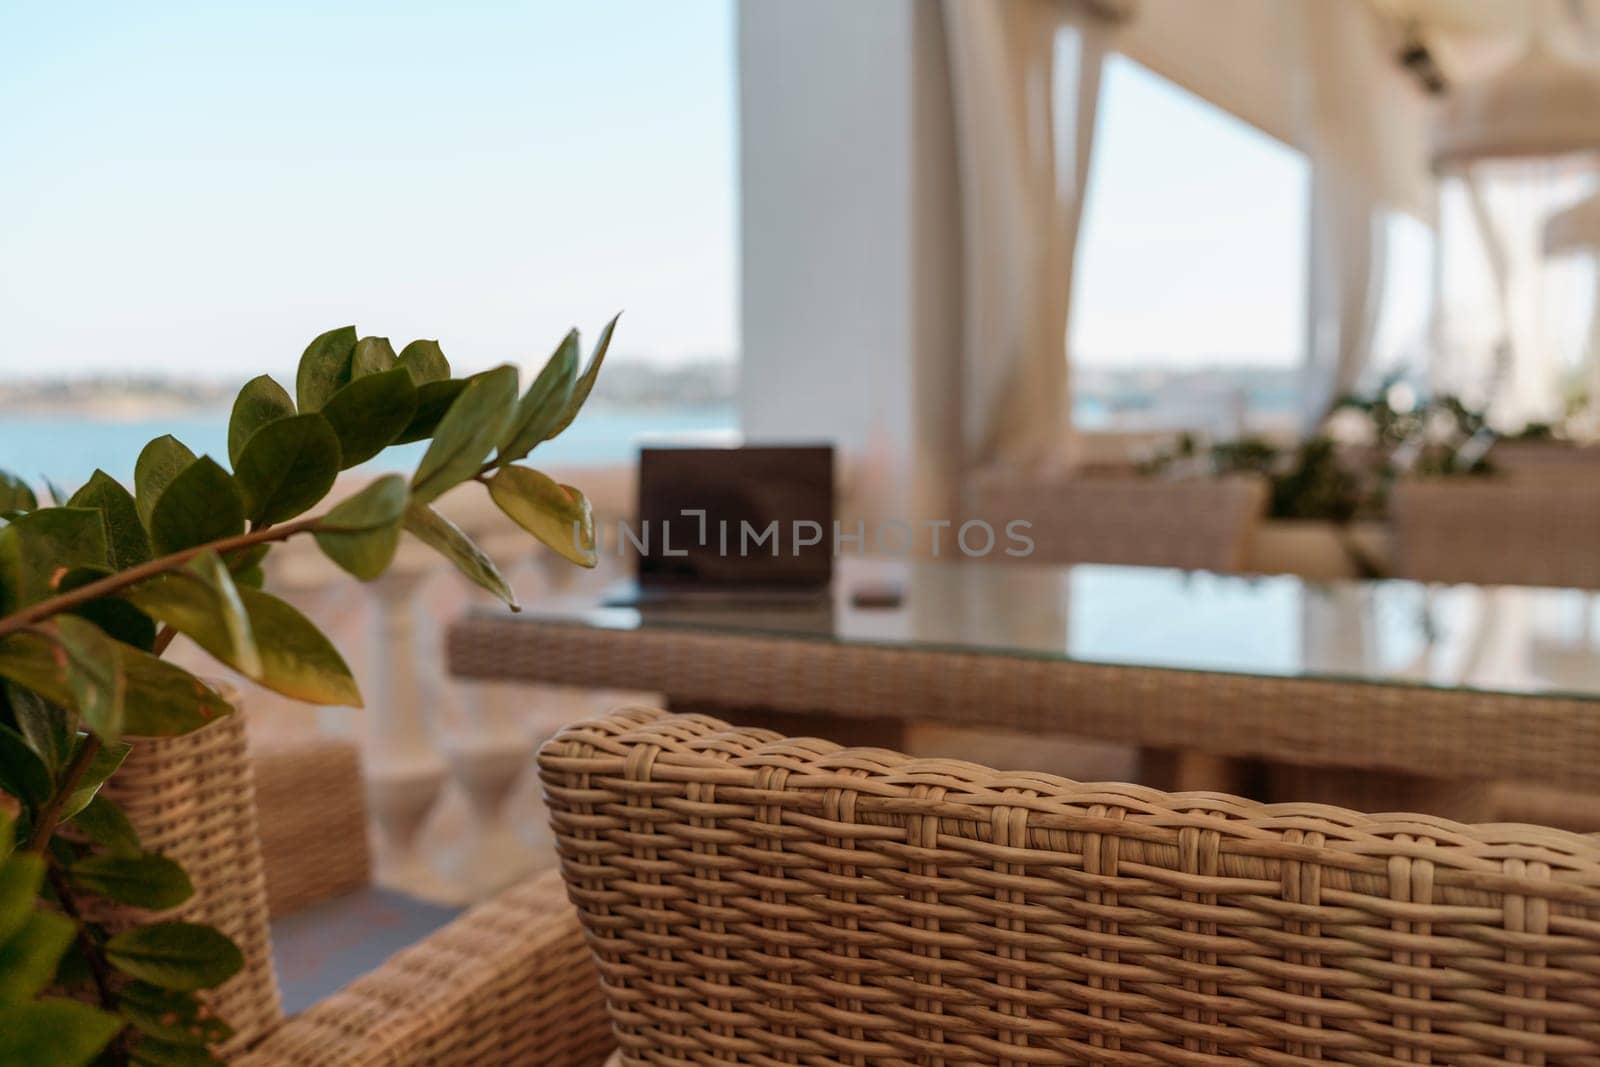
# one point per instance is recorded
(65, 448)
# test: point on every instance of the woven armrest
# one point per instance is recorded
(509, 983)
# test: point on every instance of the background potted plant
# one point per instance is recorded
(1326, 516)
(95, 585)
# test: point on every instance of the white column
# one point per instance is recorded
(850, 240)
(405, 771)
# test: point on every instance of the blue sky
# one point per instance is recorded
(202, 187)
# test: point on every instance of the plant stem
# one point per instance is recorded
(91, 953)
(113, 583)
(163, 638)
(44, 826)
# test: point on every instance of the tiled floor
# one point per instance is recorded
(319, 950)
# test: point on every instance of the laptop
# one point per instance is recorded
(744, 527)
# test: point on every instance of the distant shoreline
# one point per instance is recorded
(627, 387)
(112, 409)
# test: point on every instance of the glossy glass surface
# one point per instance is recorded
(1498, 639)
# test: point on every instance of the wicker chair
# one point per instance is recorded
(313, 819)
(505, 985)
(1546, 459)
(509, 984)
(1197, 524)
(1498, 532)
(751, 899)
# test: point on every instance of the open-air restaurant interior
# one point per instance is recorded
(887, 533)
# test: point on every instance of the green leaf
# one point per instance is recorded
(444, 537)
(162, 700)
(101, 767)
(556, 514)
(165, 700)
(201, 505)
(118, 618)
(260, 402)
(361, 533)
(286, 467)
(37, 550)
(16, 495)
(146, 881)
(296, 659)
(433, 400)
(161, 461)
(202, 602)
(22, 773)
(425, 360)
(126, 541)
(545, 402)
(467, 433)
(370, 412)
(242, 559)
(179, 1018)
(28, 959)
(35, 662)
(175, 955)
(585, 384)
(107, 825)
(95, 675)
(373, 355)
(20, 878)
(46, 727)
(325, 367)
(54, 1033)
(74, 972)
(154, 1052)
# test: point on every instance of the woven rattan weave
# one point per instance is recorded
(1447, 733)
(1194, 523)
(313, 819)
(1498, 531)
(509, 984)
(192, 798)
(752, 899)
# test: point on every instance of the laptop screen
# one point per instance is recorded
(768, 516)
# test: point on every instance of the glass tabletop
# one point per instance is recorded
(1504, 639)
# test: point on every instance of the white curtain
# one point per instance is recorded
(1026, 81)
(1515, 323)
(1344, 93)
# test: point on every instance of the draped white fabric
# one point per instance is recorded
(1350, 184)
(1573, 234)
(1026, 81)
(1515, 324)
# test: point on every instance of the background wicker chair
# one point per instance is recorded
(1194, 523)
(1546, 459)
(752, 899)
(508, 984)
(313, 819)
(1498, 531)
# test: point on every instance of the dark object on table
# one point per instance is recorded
(877, 595)
(720, 523)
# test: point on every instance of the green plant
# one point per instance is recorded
(1316, 485)
(94, 587)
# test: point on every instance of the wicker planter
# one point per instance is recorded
(193, 799)
(1315, 549)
